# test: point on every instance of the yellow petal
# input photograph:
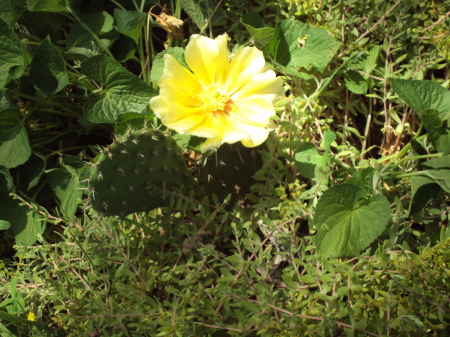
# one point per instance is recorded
(265, 84)
(178, 83)
(255, 136)
(159, 106)
(246, 63)
(181, 118)
(207, 58)
(255, 111)
(211, 143)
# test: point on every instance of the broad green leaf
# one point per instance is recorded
(89, 48)
(99, 23)
(42, 24)
(31, 171)
(13, 56)
(437, 132)
(65, 185)
(441, 177)
(423, 190)
(82, 43)
(308, 158)
(122, 93)
(255, 26)
(298, 45)
(194, 11)
(47, 69)
(7, 317)
(25, 223)
(158, 63)
(129, 23)
(6, 103)
(123, 49)
(49, 5)
(261, 35)
(355, 82)
(14, 146)
(364, 179)
(431, 102)
(438, 163)
(346, 223)
(11, 11)
(35, 225)
(423, 96)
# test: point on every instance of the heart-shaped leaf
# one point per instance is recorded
(348, 223)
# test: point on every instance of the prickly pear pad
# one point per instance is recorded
(134, 173)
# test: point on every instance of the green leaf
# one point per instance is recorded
(100, 23)
(195, 12)
(438, 163)
(93, 35)
(441, 177)
(4, 225)
(129, 23)
(49, 5)
(158, 63)
(11, 11)
(438, 134)
(355, 82)
(367, 61)
(364, 179)
(251, 307)
(346, 223)
(423, 190)
(297, 45)
(123, 92)
(14, 146)
(308, 159)
(31, 171)
(423, 96)
(329, 138)
(13, 56)
(25, 223)
(255, 26)
(6, 182)
(431, 102)
(65, 185)
(4, 316)
(47, 69)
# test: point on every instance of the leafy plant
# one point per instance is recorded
(337, 225)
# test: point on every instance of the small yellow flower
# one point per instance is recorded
(31, 316)
(225, 101)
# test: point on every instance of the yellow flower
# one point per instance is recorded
(225, 101)
(31, 316)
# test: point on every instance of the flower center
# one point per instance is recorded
(215, 101)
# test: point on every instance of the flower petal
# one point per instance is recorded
(255, 136)
(265, 84)
(255, 111)
(208, 58)
(159, 106)
(211, 143)
(178, 83)
(246, 63)
(181, 118)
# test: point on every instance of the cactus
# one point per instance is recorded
(134, 173)
(230, 171)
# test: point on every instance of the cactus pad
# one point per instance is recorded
(134, 173)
